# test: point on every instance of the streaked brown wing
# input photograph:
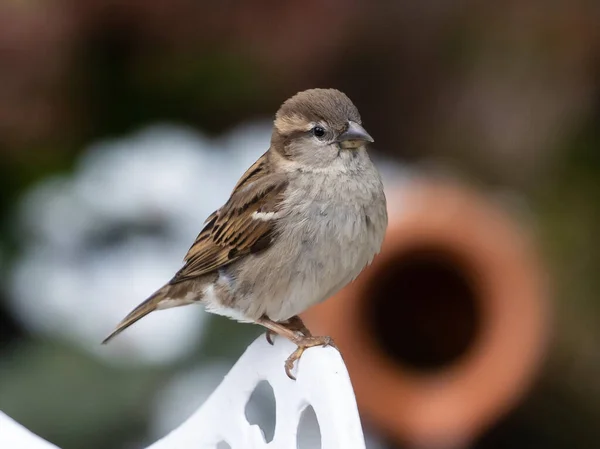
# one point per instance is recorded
(234, 231)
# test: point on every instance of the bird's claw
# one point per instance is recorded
(269, 335)
(303, 344)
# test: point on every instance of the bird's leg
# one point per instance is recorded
(274, 327)
(295, 336)
(295, 323)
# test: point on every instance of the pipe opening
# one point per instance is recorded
(423, 308)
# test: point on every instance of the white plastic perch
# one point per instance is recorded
(323, 383)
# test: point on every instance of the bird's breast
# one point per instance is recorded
(333, 227)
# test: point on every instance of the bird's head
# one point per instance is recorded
(317, 126)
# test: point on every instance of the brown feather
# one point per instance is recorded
(149, 305)
(232, 232)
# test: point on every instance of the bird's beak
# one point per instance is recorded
(354, 136)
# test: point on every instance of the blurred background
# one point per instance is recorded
(124, 124)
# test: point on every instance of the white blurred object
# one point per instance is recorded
(97, 243)
(322, 384)
(14, 436)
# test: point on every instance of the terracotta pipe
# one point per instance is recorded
(446, 329)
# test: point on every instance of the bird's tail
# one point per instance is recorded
(149, 305)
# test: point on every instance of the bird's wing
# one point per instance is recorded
(244, 225)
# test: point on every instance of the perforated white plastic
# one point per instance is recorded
(322, 382)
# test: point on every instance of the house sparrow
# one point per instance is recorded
(300, 224)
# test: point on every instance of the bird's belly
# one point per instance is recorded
(309, 263)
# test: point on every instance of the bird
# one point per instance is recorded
(300, 224)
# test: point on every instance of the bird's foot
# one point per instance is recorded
(295, 331)
(303, 344)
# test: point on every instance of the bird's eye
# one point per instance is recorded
(318, 131)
